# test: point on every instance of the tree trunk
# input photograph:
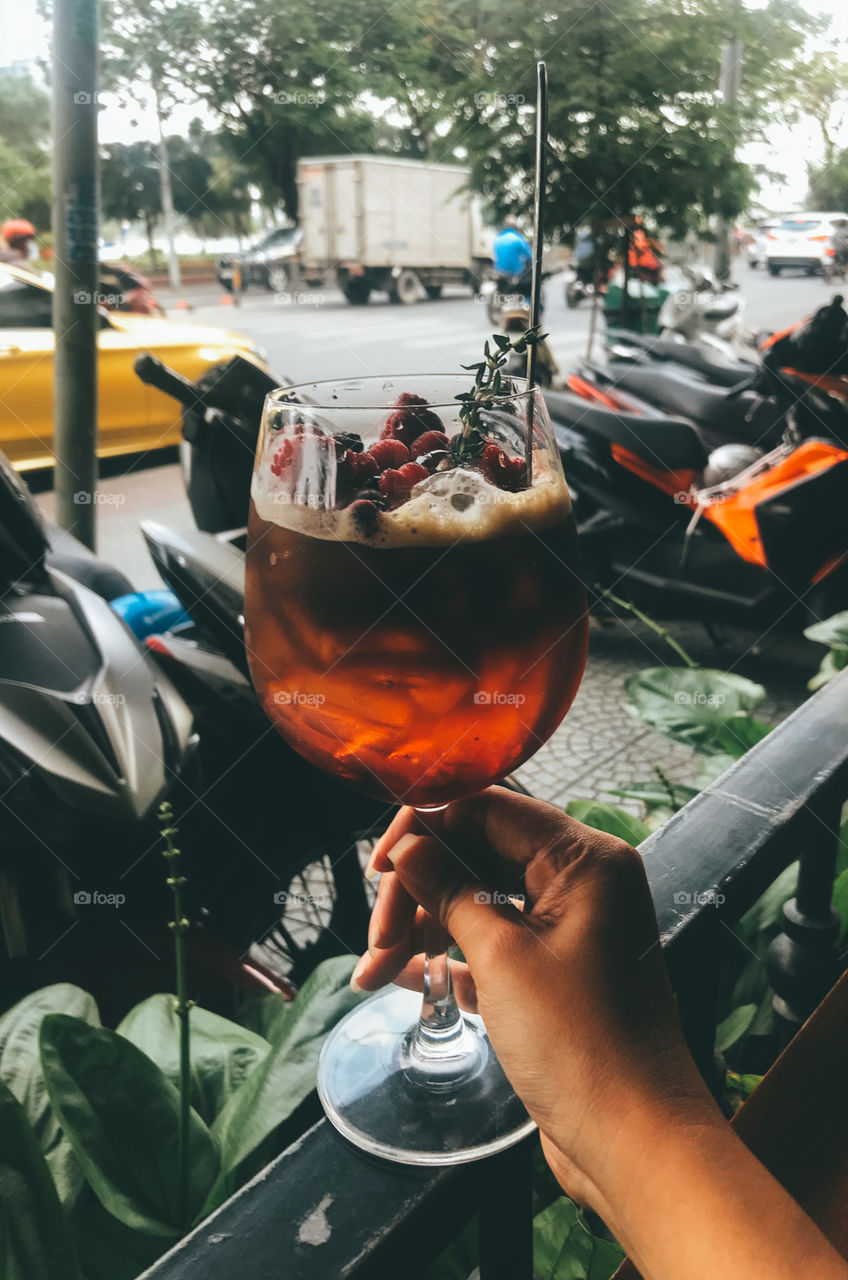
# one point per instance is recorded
(167, 194)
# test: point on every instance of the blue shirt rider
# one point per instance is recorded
(512, 253)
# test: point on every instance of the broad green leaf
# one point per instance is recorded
(121, 1115)
(223, 1054)
(20, 1069)
(711, 768)
(832, 631)
(742, 1085)
(834, 661)
(606, 817)
(565, 1249)
(691, 704)
(263, 1013)
(734, 1026)
(655, 796)
(110, 1250)
(767, 911)
(840, 902)
(287, 1076)
(740, 733)
(461, 1256)
(35, 1239)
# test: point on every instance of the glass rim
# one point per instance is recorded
(278, 397)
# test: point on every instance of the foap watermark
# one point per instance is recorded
(283, 897)
(501, 100)
(705, 898)
(82, 297)
(497, 698)
(84, 498)
(506, 301)
(282, 498)
(100, 699)
(690, 498)
(699, 698)
(97, 898)
(297, 698)
(299, 298)
(495, 898)
(86, 98)
(298, 98)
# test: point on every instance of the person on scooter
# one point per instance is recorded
(513, 256)
(644, 254)
(17, 241)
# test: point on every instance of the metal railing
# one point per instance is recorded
(322, 1210)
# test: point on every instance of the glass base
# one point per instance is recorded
(388, 1098)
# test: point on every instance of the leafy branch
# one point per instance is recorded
(488, 386)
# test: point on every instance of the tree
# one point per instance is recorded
(24, 160)
(129, 186)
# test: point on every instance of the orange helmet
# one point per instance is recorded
(17, 229)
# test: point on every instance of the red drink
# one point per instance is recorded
(425, 660)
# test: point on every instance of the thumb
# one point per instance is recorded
(446, 886)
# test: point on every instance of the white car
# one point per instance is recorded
(756, 251)
(801, 240)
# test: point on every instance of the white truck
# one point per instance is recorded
(405, 227)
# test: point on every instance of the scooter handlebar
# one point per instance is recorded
(154, 373)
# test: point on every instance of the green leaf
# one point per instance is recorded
(767, 911)
(606, 817)
(832, 663)
(35, 1239)
(734, 1026)
(840, 902)
(286, 1076)
(565, 1249)
(654, 795)
(711, 768)
(223, 1054)
(20, 1069)
(832, 631)
(738, 734)
(110, 1250)
(742, 1084)
(122, 1116)
(691, 705)
(461, 1256)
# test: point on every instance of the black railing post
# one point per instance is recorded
(802, 961)
(695, 981)
(506, 1214)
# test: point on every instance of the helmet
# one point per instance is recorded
(17, 229)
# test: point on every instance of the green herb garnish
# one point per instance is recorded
(487, 387)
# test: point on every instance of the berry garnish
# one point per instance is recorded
(347, 440)
(501, 470)
(413, 472)
(412, 417)
(282, 458)
(427, 442)
(366, 516)
(396, 484)
(361, 466)
(389, 453)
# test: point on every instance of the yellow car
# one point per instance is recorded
(130, 415)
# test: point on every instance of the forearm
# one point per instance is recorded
(688, 1201)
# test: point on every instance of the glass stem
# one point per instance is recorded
(440, 1026)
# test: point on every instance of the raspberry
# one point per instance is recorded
(412, 472)
(410, 420)
(347, 441)
(428, 441)
(282, 458)
(389, 453)
(362, 465)
(501, 470)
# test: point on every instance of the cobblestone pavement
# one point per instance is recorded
(600, 746)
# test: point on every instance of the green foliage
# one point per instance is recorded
(24, 156)
(35, 1242)
(565, 1249)
(606, 817)
(734, 1026)
(833, 631)
(705, 709)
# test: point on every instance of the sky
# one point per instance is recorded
(26, 39)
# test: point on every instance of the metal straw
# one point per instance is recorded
(538, 207)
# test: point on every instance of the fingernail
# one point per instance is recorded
(357, 972)
(370, 870)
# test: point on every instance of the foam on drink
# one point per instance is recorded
(459, 503)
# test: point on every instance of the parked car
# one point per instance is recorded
(130, 418)
(801, 240)
(271, 262)
(756, 250)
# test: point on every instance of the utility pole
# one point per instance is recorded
(167, 195)
(731, 77)
(77, 279)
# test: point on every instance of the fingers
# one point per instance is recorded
(392, 914)
(402, 822)
(412, 977)
(381, 965)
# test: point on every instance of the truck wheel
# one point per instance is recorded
(405, 288)
(773, 269)
(433, 291)
(357, 291)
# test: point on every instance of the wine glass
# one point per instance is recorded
(416, 625)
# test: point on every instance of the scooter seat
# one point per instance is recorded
(663, 442)
(727, 373)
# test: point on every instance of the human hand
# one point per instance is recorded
(573, 988)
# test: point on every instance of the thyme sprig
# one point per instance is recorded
(488, 385)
